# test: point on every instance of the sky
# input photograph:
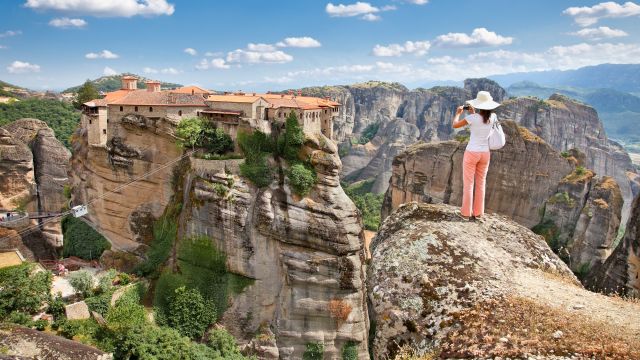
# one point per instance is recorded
(272, 45)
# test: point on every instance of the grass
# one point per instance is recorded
(529, 328)
(580, 174)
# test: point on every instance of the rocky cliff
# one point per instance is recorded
(442, 287)
(406, 116)
(522, 175)
(34, 175)
(620, 273)
(305, 254)
(567, 124)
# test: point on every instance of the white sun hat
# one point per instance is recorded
(483, 101)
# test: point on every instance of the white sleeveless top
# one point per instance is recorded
(479, 140)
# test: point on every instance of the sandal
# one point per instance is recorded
(465, 218)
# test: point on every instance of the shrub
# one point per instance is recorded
(216, 141)
(350, 351)
(82, 282)
(190, 131)
(23, 290)
(18, 317)
(580, 170)
(369, 133)
(189, 313)
(368, 203)
(223, 343)
(40, 324)
(127, 314)
(165, 288)
(302, 178)
(105, 283)
(256, 146)
(314, 351)
(68, 328)
(124, 278)
(100, 303)
(56, 307)
(81, 240)
(290, 142)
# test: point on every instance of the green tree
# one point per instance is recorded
(22, 289)
(81, 240)
(223, 343)
(190, 132)
(289, 144)
(82, 282)
(302, 178)
(189, 313)
(215, 140)
(87, 92)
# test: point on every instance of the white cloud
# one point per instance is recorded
(364, 10)
(417, 2)
(213, 54)
(66, 22)
(191, 51)
(479, 37)
(21, 67)
(2, 47)
(299, 42)
(371, 17)
(586, 16)
(599, 33)
(357, 9)
(417, 48)
(10, 33)
(170, 71)
(109, 71)
(104, 54)
(167, 71)
(217, 63)
(257, 57)
(260, 47)
(101, 8)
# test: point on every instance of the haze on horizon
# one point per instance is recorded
(47, 44)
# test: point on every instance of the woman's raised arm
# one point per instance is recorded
(457, 123)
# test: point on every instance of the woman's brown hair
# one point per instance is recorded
(486, 115)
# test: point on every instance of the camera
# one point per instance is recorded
(466, 107)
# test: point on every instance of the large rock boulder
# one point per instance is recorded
(522, 175)
(439, 285)
(474, 85)
(17, 180)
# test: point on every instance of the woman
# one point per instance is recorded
(476, 155)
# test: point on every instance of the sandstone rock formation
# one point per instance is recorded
(621, 271)
(34, 174)
(305, 254)
(125, 217)
(582, 218)
(522, 175)
(456, 289)
(406, 116)
(19, 342)
(567, 124)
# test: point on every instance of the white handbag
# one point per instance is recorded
(497, 140)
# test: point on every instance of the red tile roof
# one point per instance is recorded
(160, 98)
(192, 90)
(108, 98)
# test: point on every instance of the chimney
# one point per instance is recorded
(129, 82)
(153, 85)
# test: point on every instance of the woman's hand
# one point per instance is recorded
(471, 109)
(459, 110)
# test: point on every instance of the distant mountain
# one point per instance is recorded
(621, 77)
(618, 110)
(113, 82)
(13, 91)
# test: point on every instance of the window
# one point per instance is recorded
(325, 111)
(150, 109)
(89, 121)
(135, 109)
(107, 121)
(104, 131)
(179, 112)
(120, 108)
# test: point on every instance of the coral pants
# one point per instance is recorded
(474, 169)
